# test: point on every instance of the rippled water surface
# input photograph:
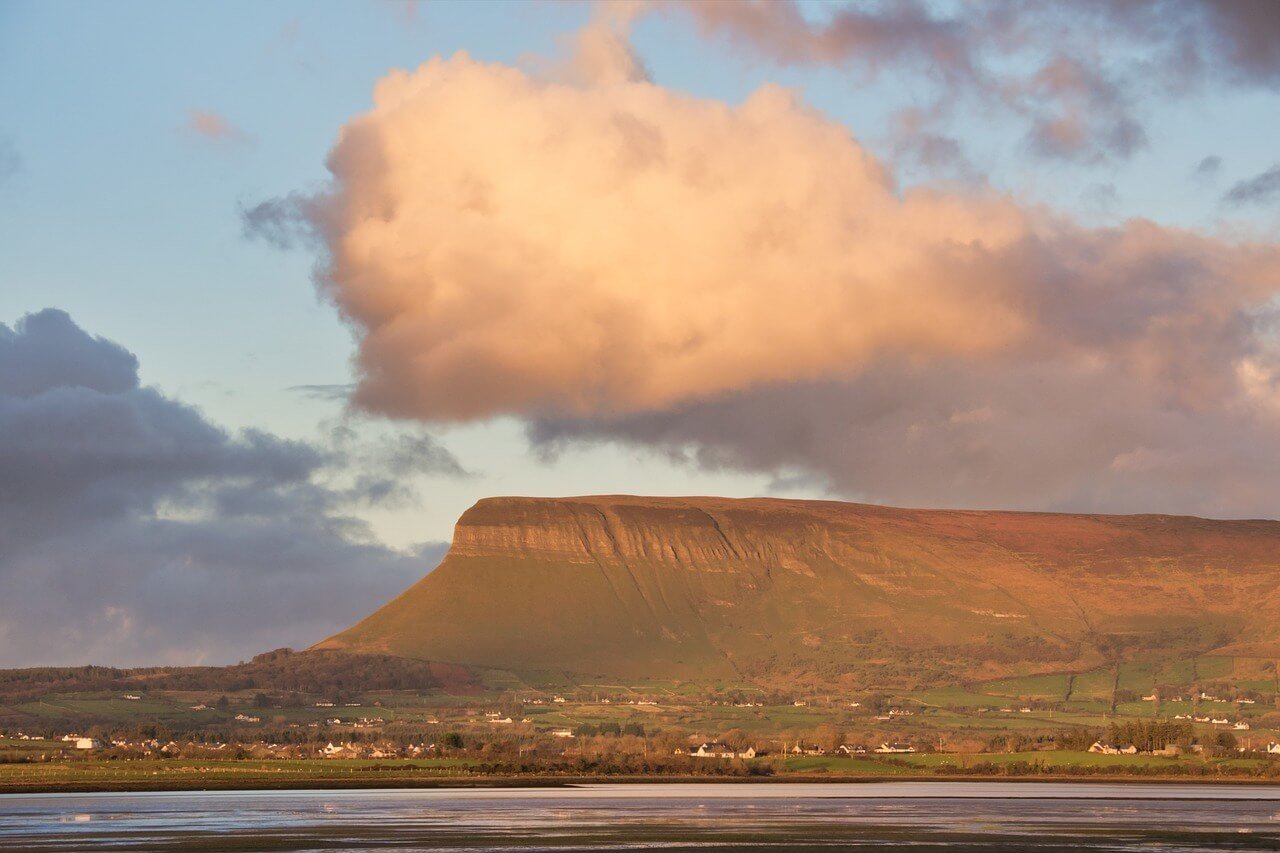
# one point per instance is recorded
(889, 815)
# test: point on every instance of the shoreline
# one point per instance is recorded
(534, 782)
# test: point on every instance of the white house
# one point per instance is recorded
(88, 743)
(1100, 748)
(895, 748)
(713, 749)
(1273, 748)
(562, 733)
(716, 749)
(1241, 726)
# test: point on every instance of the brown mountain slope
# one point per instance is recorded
(638, 587)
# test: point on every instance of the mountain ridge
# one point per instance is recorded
(826, 591)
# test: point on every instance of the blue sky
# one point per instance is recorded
(116, 211)
(128, 220)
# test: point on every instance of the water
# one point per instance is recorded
(888, 815)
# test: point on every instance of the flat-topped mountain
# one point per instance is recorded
(766, 589)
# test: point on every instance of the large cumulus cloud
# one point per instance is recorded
(133, 530)
(611, 260)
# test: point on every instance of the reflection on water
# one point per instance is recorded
(950, 816)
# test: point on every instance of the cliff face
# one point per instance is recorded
(762, 588)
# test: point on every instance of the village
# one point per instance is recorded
(668, 729)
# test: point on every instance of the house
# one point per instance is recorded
(1220, 722)
(562, 733)
(245, 718)
(900, 712)
(716, 749)
(1100, 748)
(132, 697)
(713, 749)
(845, 749)
(330, 749)
(1241, 726)
(1273, 749)
(886, 748)
(559, 700)
(88, 743)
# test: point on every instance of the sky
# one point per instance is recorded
(285, 287)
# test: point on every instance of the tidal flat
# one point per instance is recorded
(1042, 816)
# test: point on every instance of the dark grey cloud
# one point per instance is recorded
(1039, 436)
(1260, 189)
(1241, 35)
(136, 531)
(1076, 73)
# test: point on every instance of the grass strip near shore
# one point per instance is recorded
(180, 774)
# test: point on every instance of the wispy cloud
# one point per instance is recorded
(214, 127)
(324, 392)
(1209, 166)
(1074, 73)
(1260, 189)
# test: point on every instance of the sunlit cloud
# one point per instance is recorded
(749, 287)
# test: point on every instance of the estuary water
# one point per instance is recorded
(945, 816)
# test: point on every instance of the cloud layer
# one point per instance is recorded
(748, 286)
(135, 531)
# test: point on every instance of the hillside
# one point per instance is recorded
(769, 590)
